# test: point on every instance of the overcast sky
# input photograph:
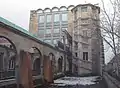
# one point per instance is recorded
(18, 11)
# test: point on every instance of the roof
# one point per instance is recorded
(89, 4)
(15, 27)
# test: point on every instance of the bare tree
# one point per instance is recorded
(109, 24)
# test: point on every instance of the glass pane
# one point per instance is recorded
(56, 18)
(48, 18)
(48, 31)
(41, 31)
(84, 33)
(41, 19)
(57, 30)
(64, 17)
(84, 9)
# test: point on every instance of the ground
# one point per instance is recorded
(79, 82)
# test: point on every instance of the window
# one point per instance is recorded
(85, 55)
(56, 18)
(41, 31)
(84, 9)
(11, 63)
(41, 19)
(57, 30)
(85, 33)
(76, 55)
(64, 29)
(64, 17)
(49, 18)
(48, 31)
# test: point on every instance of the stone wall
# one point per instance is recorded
(111, 82)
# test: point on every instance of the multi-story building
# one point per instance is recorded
(54, 27)
(87, 39)
(81, 22)
(48, 24)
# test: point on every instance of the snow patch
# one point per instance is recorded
(75, 81)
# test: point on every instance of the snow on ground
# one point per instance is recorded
(75, 81)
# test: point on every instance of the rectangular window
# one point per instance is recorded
(84, 9)
(56, 18)
(64, 17)
(49, 18)
(85, 56)
(56, 30)
(41, 19)
(64, 29)
(48, 31)
(85, 33)
(40, 33)
(76, 55)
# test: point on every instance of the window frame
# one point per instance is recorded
(84, 9)
(49, 18)
(58, 19)
(39, 21)
(85, 56)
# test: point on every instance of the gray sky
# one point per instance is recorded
(18, 11)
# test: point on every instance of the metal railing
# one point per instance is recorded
(7, 74)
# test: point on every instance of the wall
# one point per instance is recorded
(111, 82)
(23, 42)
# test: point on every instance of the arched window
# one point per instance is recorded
(39, 11)
(63, 8)
(55, 9)
(47, 10)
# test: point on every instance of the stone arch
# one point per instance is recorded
(70, 7)
(55, 9)
(36, 58)
(47, 10)
(63, 8)
(60, 63)
(8, 55)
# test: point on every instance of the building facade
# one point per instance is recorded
(48, 24)
(82, 23)
(87, 42)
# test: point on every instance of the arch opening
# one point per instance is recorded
(8, 55)
(36, 58)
